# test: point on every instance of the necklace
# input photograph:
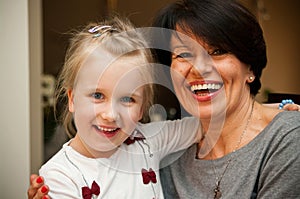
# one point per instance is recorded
(217, 190)
(95, 189)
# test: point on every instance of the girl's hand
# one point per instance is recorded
(291, 107)
(37, 189)
(286, 107)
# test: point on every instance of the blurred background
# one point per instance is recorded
(33, 44)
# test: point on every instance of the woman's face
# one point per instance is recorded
(106, 102)
(208, 81)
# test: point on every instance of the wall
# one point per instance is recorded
(17, 116)
(140, 12)
(59, 18)
(282, 31)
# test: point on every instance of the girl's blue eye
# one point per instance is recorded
(127, 99)
(97, 95)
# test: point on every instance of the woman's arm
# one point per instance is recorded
(37, 189)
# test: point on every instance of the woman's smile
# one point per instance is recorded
(205, 90)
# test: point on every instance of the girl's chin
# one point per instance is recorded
(104, 151)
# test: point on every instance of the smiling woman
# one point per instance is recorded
(219, 44)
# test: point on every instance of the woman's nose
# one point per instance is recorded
(202, 65)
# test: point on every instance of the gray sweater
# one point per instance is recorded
(267, 167)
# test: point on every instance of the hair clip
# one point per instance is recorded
(99, 30)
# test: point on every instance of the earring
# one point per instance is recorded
(251, 78)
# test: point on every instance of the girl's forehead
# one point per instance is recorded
(125, 70)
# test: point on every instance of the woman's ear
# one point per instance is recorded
(250, 77)
(71, 100)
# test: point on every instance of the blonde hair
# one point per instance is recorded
(122, 39)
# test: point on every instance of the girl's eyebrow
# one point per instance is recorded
(92, 89)
(134, 94)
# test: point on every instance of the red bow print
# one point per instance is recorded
(148, 176)
(131, 140)
(87, 192)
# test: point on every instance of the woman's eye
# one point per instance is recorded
(97, 95)
(218, 52)
(127, 99)
(183, 55)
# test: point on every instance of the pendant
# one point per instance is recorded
(217, 191)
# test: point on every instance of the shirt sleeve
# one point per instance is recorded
(171, 136)
(61, 186)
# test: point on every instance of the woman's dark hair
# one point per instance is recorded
(223, 24)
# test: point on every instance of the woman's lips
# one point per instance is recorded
(205, 91)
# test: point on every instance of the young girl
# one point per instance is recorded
(107, 81)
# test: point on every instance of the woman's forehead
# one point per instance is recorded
(181, 40)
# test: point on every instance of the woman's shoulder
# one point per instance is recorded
(276, 117)
(290, 118)
(285, 125)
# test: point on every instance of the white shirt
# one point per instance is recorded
(119, 176)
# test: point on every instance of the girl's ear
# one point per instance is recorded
(71, 100)
(141, 113)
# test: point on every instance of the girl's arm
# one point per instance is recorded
(287, 107)
(171, 136)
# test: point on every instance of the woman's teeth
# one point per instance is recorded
(200, 87)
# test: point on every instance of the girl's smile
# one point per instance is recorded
(107, 131)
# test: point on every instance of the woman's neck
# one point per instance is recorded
(231, 135)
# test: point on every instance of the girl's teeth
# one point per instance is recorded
(106, 129)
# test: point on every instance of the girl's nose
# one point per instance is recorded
(108, 113)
